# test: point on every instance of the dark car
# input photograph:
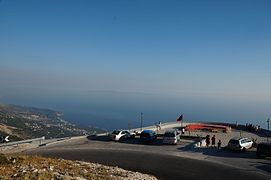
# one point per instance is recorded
(264, 149)
(147, 136)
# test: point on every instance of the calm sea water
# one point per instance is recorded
(111, 110)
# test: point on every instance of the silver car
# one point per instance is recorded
(119, 135)
(239, 144)
(171, 137)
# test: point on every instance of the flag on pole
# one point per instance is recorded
(180, 118)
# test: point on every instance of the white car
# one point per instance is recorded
(119, 135)
(238, 144)
(171, 137)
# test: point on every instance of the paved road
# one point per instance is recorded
(165, 162)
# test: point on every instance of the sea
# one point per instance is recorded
(122, 110)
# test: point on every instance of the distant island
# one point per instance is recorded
(20, 123)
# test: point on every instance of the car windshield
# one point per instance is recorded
(115, 132)
(265, 146)
(234, 141)
(169, 134)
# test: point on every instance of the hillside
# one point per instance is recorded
(34, 167)
(20, 122)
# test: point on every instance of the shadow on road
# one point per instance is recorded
(98, 138)
(136, 140)
(213, 151)
(263, 166)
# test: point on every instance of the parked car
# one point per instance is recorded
(133, 134)
(171, 137)
(148, 136)
(119, 135)
(239, 144)
(264, 149)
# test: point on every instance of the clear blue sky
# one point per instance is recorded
(199, 48)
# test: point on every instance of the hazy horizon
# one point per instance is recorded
(111, 109)
(104, 62)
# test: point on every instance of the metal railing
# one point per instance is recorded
(23, 142)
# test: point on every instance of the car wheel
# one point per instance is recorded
(122, 139)
(259, 155)
(243, 149)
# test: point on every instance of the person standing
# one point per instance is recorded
(207, 140)
(213, 141)
(200, 141)
(219, 144)
(160, 125)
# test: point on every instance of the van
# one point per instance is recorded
(263, 150)
(171, 137)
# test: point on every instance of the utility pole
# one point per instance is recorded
(141, 121)
(268, 121)
(129, 126)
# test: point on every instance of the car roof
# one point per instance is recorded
(170, 131)
(117, 130)
(239, 138)
(265, 143)
(147, 131)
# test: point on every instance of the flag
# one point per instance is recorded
(180, 118)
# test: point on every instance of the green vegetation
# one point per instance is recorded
(24, 123)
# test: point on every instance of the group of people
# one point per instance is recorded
(212, 141)
(252, 127)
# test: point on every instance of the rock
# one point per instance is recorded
(70, 170)
(85, 171)
(79, 178)
(51, 168)
(57, 175)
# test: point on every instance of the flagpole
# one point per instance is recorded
(141, 120)
(180, 119)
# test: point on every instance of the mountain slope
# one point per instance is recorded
(27, 122)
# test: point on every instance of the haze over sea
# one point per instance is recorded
(112, 109)
(104, 62)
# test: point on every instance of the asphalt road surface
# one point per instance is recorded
(134, 157)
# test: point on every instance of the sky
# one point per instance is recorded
(206, 53)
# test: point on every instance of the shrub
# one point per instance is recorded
(3, 159)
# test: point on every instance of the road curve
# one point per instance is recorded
(161, 165)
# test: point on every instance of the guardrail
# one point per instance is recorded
(22, 142)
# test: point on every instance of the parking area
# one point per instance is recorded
(186, 147)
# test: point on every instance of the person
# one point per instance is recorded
(157, 127)
(200, 141)
(219, 144)
(183, 130)
(213, 141)
(160, 125)
(207, 140)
